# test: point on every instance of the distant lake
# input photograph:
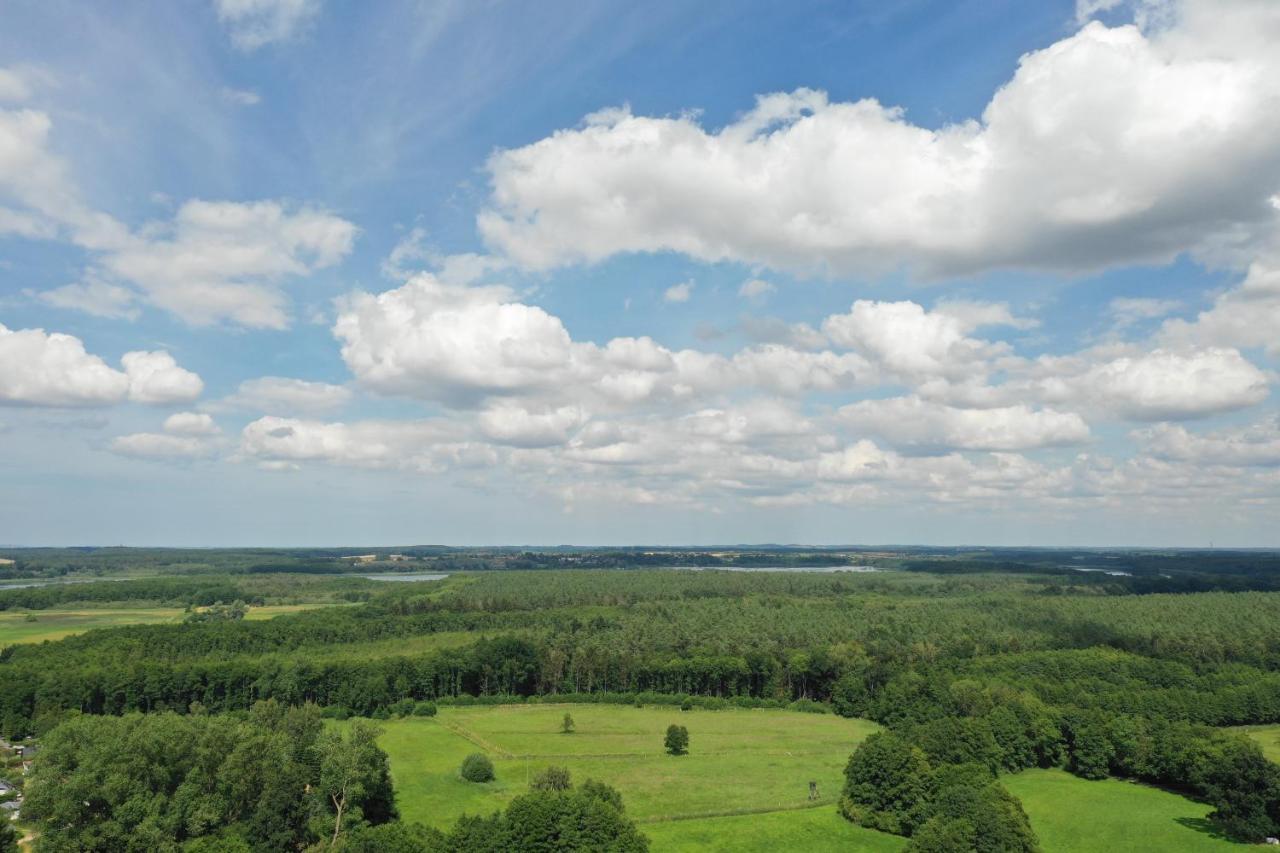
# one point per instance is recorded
(406, 577)
(19, 583)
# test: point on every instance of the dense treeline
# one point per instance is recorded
(175, 590)
(199, 591)
(271, 779)
(1210, 659)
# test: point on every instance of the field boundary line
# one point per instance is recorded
(477, 740)
(568, 756)
(816, 804)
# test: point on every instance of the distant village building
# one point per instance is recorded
(7, 562)
(399, 558)
(362, 558)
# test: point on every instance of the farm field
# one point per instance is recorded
(54, 624)
(1074, 815)
(739, 760)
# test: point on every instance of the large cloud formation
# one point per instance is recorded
(1115, 145)
(631, 420)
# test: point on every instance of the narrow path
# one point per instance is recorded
(814, 804)
(458, 730)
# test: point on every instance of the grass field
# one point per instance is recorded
(1074, 815)
(820, 830)
(1267, 737)
(55, 624)
(739, 761)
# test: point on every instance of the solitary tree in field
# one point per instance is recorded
(677, 740)
(566, 725)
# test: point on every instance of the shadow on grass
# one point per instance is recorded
(1205, 826)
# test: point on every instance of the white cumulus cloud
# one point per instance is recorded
(39, 368)
(1255, 444)
(280, 394)
(53, 369)
(156, 378)
(910, 341)
(190, 423)
(681, 292)
(1168, 385)
(910, 422)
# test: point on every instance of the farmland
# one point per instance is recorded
(743, 786)
(54, 624)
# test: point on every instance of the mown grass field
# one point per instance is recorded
(820, 830)
(54, 624)
(1074, 815)
(1267, 737)
(739, 761)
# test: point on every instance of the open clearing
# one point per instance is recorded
(54, 624)
(739, 761)
(1267, 737)
(1074, 815)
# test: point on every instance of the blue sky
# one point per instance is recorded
(310, 272)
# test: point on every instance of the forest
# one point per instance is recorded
(971, 674)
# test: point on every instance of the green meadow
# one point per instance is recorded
(1267, 737)
(740, 762)
(1074, 815)
(820, 830)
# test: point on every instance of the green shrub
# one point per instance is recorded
(477, 767)
(677, 740)
(424, 709)
(809, 706)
